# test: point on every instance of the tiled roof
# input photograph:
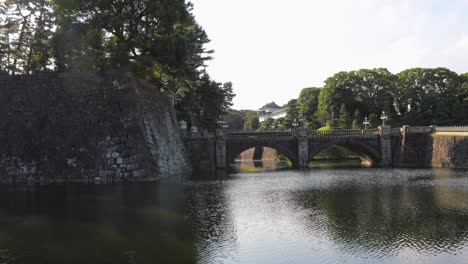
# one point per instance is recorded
(270, 105)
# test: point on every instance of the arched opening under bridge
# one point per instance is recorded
(343, 154)
(260, 158)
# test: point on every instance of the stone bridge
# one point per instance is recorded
(300, 146)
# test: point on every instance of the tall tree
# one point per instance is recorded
(365, 90)
(234, 119)
(307, 105)
(251, 123)
(268, 124)
(344, 120)
(291, 114)
(158, 40)
(25, 33)
(420, 90)
(40, 53)
(210, 102)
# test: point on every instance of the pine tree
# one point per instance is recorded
(40, 52)
(25, 33)
(291, 114)
(344, 120)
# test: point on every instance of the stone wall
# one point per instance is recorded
(86, 127)
(425, 150)
(450, 151)
(412, 150)
(202, 155)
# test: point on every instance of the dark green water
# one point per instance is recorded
(319, 216)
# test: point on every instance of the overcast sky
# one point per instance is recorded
(271, 49)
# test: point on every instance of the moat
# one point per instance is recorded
(348, 215)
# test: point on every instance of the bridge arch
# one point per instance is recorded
(287, 148)
(366, 150)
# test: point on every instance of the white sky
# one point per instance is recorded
(271, 49)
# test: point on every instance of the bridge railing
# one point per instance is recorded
(245, 131)
(289, 133)
(344, 132)
(451, 129)
(258, 134)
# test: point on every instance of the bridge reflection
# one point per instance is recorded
(263, 159)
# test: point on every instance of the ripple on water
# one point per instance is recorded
(333, 216)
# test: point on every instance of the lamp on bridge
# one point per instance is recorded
(193, 129)
(223, 124)
(366, 122)
(295, 124)
(383, 117)
(301, 120)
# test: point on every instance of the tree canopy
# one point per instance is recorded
(419, 96)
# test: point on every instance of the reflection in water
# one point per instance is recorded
(319, 216)
(255, 166)
(337, 164)
(136, 223)
(212, 221)
(341, 216)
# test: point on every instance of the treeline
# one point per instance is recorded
(159, 40)
(419, 96)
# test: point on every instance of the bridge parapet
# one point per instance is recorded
(417, 130)
(450, 129)
(345, 133)
(258, 135)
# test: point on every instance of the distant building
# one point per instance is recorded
(271, 110)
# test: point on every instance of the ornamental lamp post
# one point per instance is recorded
(294, 123)
(366, 122)
(223, 124)
(301, 120)
(383, 117)
(183, 125)
(193, 129)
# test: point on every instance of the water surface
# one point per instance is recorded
(318, 216)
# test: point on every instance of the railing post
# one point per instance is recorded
(385, 133)
(220, 142)
(303, 149)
